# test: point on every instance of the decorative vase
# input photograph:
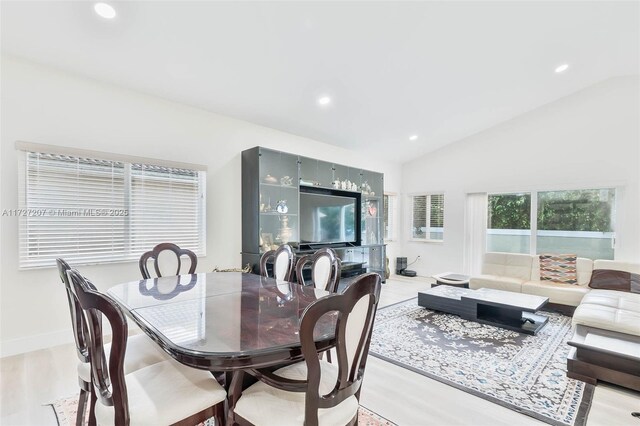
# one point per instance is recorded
(387, 271)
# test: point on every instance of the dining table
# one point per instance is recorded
(224, 321)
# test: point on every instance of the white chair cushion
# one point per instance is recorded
(141, 352)
(165, 393)
(496, 282)
(561, 293)
(262, 404)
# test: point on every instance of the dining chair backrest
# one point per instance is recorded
(283, 262)
(356, 309)
(325, 269)
(107, 378)
(78, 324)
(167, 260)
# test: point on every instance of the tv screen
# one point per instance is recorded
(327, 218)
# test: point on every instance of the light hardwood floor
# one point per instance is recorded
(29, 381)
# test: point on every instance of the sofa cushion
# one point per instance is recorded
(496, 282)
(610, 310)
(559, 268)
(584, 268)
(563, 294)
(617, 266)
(512, 265)
(609, 279)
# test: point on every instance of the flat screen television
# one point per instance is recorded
(329, 216)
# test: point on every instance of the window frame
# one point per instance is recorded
(390, 230)
(410, 209)
(129, 253)
(533, 213)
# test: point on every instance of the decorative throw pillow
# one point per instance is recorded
(559, 268)
(608, 279)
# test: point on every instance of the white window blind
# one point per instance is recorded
(427, 217)
(166, 205)
(91, 210)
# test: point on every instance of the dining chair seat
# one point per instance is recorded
(165, 393)
(141, 352)
(262, 404)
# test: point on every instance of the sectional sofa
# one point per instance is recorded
(606, 340)
(520, 273)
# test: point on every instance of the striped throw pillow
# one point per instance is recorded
(559, 268)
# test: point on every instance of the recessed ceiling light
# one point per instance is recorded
(562, 68)
(413, 137)
(324, 100)
(105, 10)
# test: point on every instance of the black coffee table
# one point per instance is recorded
(506, 309)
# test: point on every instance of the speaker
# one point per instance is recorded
(401, 264)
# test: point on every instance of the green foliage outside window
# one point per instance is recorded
(509, 211)
(579, 210)
(583, 210)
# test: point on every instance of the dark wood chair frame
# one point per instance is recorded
(111, 375)
(156, 294)
(274, 254)
(334, 277)
(153, 254)
(349, 381)
(80, 333)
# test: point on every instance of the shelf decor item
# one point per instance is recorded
(286, 181)
(284, 235)
(281, 207)
(270, 179)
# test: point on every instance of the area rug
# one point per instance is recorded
(65, 410)
(521, 372)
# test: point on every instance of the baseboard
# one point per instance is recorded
(49, 340)
(418, 278)
(34, 343)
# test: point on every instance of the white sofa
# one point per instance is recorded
(606, 340)
(520, 273)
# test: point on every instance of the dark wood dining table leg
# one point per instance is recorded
(234, 392)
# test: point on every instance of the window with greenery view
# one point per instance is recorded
(579, 221)
(575, 221)
(427, 218)
(509, 223)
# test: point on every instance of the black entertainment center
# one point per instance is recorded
(310, 204)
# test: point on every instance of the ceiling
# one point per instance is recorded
(441, 70)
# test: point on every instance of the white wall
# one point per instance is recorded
(588, 139)
(42, 105)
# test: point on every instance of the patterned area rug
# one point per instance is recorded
(65, 410)
(521, 372)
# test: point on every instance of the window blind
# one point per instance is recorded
(90, 210)
(427, 219)
(436, 217)
(419, 216)
(166, 205)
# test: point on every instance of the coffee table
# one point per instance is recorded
(505, 309)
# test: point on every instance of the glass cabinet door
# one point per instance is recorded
(371, 223)
(278, 202)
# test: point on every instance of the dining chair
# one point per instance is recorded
(160, 394)
(283, 262)
(325, 269)
(141, 352)
(167, 261)
(314, 392)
